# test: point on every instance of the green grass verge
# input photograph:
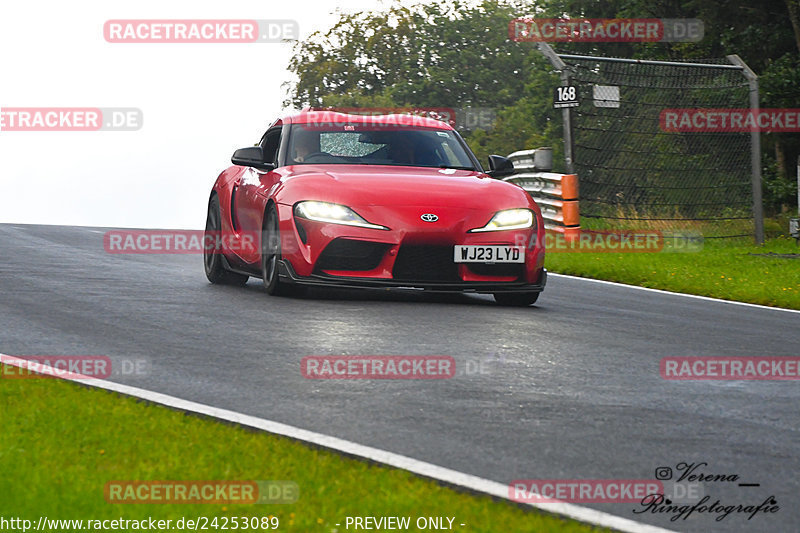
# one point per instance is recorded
(722, 269)
(61, 443)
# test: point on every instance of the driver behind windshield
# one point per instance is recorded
(305, 143)
(401, 150)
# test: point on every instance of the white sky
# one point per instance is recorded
(200, 102)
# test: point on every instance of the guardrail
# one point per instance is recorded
(555, 194)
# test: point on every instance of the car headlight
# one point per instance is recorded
(508, 219)
(333, 213)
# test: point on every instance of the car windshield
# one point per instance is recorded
(370, 144)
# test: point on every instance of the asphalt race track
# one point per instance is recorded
(568, 389)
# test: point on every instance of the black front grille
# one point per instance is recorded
(425, 263)
(498, 269)
(348, 254)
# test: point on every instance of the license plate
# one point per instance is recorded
(489, 254)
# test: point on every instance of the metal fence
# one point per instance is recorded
(633, 173)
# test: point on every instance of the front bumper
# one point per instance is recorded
(288, 275)
(415, 254)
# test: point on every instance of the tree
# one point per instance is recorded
(442, 54)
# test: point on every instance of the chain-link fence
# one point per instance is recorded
(632, 172)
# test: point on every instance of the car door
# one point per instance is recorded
(248, 199)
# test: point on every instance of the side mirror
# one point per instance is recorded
(500, 166)
(252, 156)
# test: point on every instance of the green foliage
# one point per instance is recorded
(441, 54)
(530, 122)
(778, 191)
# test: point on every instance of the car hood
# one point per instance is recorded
(404, 186)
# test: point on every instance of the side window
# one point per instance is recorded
(270, 144)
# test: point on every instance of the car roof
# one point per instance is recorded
(331, 117)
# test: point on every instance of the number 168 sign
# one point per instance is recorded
(566, 96)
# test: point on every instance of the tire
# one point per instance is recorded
(271, 255)
(517, 299)
(212, 259)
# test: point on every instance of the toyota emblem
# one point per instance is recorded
(429, 217)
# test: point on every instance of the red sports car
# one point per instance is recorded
(357, 201)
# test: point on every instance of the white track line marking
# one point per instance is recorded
(708, 298)
(428, 470)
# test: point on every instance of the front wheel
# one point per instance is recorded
(212, 254)
(271, 255)
(517, 299)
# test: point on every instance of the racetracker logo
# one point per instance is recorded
(72, 367)
(730, 120)
(179, 242)
(202, 492)
(583, 490)
(582, 30)
(55, 366)
(730, 368)
(201, 31)
(611, 241)
(70, 119)
(444, 114)
(466, 118)
(378, 367)
(373, 118)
